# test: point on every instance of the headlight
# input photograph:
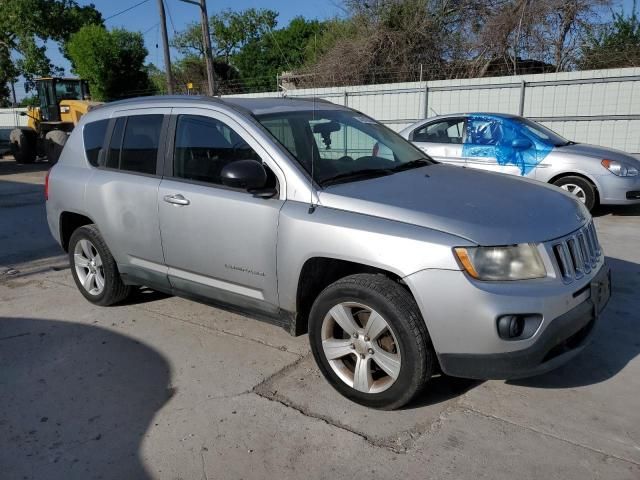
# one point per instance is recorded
(619, 168)
(65, 109)
(514, 262)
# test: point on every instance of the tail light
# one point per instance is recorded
(46, 185)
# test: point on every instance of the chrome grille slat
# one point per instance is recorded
(577, 254)
(586, 256)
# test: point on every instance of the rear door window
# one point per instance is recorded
(115, 144)
(140, 143)
(134, 143)
(447, 131)
(93, 134)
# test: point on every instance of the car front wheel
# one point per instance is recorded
(370, 341)
(582, 189)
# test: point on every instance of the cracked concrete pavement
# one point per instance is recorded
(165, 388)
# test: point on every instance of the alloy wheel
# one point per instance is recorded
(575, 190)
(88, 266)
(361, 347)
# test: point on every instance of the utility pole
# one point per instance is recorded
(165, 46)
(206, 39)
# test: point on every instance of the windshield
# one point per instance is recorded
(543, 133)
(68, 90)
(343, 145)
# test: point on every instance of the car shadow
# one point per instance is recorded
(617, 210)
(442, 388)
(140, 295)
(616, 340)
(76, 400)
(9, 166)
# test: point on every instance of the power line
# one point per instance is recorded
(125, 10)
(166, 2)
(150, 28)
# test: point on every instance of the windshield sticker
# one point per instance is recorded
(505, 140)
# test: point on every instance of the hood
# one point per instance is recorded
(485, 208)
(595, 151)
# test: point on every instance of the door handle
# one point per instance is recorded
(176, 199)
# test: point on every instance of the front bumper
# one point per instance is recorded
(615, 190)
(467, 342)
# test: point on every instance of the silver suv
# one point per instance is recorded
(317, 218)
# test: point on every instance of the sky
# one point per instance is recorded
(145, 18)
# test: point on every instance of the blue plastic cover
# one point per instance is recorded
(492, 136)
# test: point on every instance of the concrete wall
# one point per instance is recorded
(595, 106)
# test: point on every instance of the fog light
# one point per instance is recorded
(518, 326)
(510, 326)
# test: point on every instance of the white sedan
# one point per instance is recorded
(517, 146)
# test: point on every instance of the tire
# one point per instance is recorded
(404, 340)
(54, 143)
(23, 145)
(113, 290)
(583, 189)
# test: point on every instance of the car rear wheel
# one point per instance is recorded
(370, 341)
(94, 269)
(584, 190)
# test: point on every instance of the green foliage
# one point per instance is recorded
(26, 24)
(111, 61)
(157, 78)
(230, 31)
(616, 45)
(248, 53)
(30, 101)
(285, 49)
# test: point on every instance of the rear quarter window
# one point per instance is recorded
(93, 134)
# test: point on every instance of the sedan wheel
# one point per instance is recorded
(361, 348)
(580, 188)
(576, 190)
(88, 265)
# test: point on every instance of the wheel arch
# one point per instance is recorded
(317, 273)
(584, 176)
(69, 223)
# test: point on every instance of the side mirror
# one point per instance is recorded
(247, 174)
(521, 144)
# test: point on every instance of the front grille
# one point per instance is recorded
(577, 254)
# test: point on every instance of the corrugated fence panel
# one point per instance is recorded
(596, 106)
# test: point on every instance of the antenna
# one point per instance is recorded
(312, 207)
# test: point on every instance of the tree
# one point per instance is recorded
(230, 31)
(260, 60)
(24, 27)
(111, 61)
(388, 40)
(615, 45)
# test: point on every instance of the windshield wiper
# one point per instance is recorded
(410, 165)
(356, 175)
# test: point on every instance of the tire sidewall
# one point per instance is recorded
(108, 264)
(410, 369)
(587, 187)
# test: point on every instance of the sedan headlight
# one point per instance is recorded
(620, 169)
(513, 262)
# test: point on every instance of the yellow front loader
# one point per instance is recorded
(62, 101)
